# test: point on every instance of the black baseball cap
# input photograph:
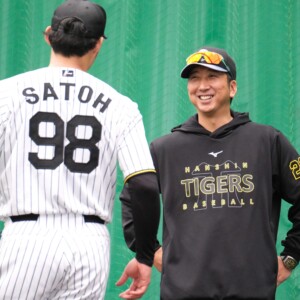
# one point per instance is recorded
(92, 15)
(212, 58)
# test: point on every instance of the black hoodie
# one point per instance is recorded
(221, 195)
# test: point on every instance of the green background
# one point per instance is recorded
(148, 41)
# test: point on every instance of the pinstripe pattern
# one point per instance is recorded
(62, 132)
(46, 191)
(54, 258)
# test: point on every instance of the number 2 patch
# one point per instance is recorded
(295, 168)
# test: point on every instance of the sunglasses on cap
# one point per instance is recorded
(208, 57)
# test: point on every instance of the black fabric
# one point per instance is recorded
(142, 190)
(34, 217)
(127, 221)
(28, 217)
(93, 219)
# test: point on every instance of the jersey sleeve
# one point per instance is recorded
(287, 172)
(133, 151)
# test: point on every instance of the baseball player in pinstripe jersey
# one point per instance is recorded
(62, 132)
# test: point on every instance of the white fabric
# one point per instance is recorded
(54, 258)
(69, 97)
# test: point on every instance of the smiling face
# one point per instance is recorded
(210, 91)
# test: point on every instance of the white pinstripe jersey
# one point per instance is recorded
(62, 132)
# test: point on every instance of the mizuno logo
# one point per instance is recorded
(67, 73)
(215, 154)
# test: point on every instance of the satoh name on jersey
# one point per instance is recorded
(85, 95)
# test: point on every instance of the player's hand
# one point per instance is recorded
(283, 272)
(140, 274)
(158, 259)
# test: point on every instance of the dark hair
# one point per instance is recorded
(70, 38)
(229, 79)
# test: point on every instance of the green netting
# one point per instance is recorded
(148, 41)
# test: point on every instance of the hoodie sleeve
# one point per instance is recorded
(129, 229)
(288, 173)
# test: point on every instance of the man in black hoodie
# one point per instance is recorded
(222, 178)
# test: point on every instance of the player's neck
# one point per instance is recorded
(58, 60)
(213, 122)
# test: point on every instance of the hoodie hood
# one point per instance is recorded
(192, 125)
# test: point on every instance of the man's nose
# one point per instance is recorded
(203, 85)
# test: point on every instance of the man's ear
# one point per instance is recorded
(46, 34)
(233, 88)
(99, 43)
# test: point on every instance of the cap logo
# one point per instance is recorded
(202, 59)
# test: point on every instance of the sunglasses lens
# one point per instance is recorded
(193, 58)
(209, 57)
(215, 58)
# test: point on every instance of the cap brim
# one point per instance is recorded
(185, 73)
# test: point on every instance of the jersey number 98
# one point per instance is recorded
(61, 153)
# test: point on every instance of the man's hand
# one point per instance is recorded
(158, 259)
(283, 272)
(141, 275)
